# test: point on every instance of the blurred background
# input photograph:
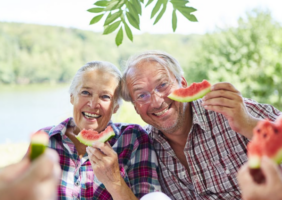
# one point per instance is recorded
(43, 43)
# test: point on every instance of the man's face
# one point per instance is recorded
(161, 112)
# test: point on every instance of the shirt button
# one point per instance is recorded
(227, 172)
(77, 183)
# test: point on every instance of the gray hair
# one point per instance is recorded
(105, 67)
(164, 59)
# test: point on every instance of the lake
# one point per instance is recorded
(25, 109)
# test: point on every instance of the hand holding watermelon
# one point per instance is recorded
(104, 161)
(269, 187)
(224, 98)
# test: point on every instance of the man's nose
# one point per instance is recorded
(156, 99)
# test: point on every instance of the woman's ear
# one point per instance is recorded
(183, 82)
(71, 99)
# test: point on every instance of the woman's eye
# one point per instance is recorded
(85, 93)
(106, 97)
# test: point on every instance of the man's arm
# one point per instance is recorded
(224, 98)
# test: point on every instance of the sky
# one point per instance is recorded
(72, 13)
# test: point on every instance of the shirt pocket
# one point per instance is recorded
(221, 174)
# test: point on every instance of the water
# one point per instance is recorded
(25, 110)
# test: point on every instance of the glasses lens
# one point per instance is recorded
(143, 97)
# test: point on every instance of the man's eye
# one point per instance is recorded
(142, 96)
(162, 86)
(84, 92)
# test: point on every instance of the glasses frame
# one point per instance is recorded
(154, 91)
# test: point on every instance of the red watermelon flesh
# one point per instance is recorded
(266, 141)
(87, 137)
(191, 93)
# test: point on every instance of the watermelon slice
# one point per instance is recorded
(266, 141)
(87, 137)
(191, 93)
(38, 143)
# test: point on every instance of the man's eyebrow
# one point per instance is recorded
(137, 88)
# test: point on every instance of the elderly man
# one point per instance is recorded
(200, 145)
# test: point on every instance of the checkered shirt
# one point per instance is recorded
(214, 153)
(137, 161)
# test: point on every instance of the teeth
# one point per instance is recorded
(162, 112)
(91, 115)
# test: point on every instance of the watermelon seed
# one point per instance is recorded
(275, 131)
(265, 135)
(258, 130)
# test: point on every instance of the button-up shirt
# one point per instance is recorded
(137, 162)
(214, 153)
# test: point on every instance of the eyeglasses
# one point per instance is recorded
(162, 90)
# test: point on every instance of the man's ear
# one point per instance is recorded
(116, 109)
(183, 82)
(71, 99)
(136, 109)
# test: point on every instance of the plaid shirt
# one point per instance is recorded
(214, 153)
(137, 162)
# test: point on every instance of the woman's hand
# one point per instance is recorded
(104, 161)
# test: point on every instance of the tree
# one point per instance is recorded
(121, 14)
(248, 56)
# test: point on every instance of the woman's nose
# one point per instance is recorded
(93, 102)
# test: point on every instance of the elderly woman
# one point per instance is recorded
(124, 167)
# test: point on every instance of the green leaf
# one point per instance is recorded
(132, 9)
(111, 5)
(156, 8)
(160, 14)
(142, 1)
(128, 31)
(96, 19)
(132, 20)
(185, 9)
(190, 17)
(101, 3)
(149, 2)
(110, 28)
(179, 2)
(115, 4)
(137, 5)
(112, 17)
(119, 37)
(96, 10)
(174, 20)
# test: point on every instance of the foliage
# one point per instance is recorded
(45, 54)
(122, 13)
(248, 56)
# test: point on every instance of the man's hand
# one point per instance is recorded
(37, 180)
(270, 189)
(224, 98)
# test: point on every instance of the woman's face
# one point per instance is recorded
(93, 102)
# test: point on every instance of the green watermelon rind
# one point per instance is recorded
(104, 138)
(189, 98)
(254, 161)
(39, 142)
